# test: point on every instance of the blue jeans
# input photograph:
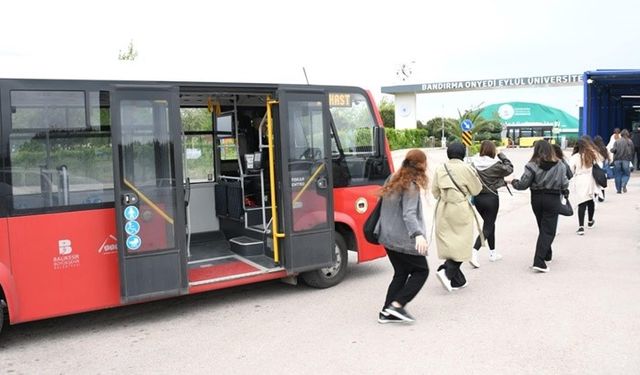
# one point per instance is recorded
(621, 173)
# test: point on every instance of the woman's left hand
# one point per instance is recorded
(421, 245)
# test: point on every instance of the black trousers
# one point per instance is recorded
(546, 208)
(453, 272)
(584, 206)
(487, 205)
(410, 272)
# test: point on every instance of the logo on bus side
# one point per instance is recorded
(109, 246)
(64, 247)
(65, 259)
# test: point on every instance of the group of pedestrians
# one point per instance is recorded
(465, 190)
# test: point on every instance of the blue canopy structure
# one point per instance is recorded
(611, 100)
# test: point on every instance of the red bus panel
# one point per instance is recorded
(345, 200)
(64, 263)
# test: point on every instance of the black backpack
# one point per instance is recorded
(370, 224)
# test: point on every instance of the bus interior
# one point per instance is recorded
(228, 212)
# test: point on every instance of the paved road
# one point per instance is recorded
(581, 318)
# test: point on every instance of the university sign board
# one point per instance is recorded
(487, 84)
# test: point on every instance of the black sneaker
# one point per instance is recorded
(591, 223)
(580, 231)
(400, 313)
(384, 318)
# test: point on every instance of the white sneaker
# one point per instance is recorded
(446, 283)
(474, 259)
(494, 256)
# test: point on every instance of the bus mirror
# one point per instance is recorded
(378, 137)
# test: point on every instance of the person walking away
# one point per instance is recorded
(622, 154)
(401, 230)
(614, 137)
(560, 155)
(547, 179)
(453, 184)
(606, 161)
(583, 186)
(491, 169)
(635, 138)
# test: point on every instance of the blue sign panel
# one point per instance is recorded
(133, 242)
(132, 227)
(131, 213)
(466, 125)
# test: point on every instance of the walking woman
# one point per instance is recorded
(492, 169)
(583, 186)
(601, 148)
(453, 184)
(401, 230)
(622, 154)
(546, 177)
(560, 155)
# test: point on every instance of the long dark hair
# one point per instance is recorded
(586, 151)
(413, 169)
(542, 151)
(601, 147)
(558, 151)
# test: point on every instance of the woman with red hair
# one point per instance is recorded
(401, 230)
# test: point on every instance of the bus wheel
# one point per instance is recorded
(330, 276)
(3, 314)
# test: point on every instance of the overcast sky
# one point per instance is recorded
(345, 42)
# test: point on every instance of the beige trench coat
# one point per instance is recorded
(455, 219)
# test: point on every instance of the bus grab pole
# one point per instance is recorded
(272, 179)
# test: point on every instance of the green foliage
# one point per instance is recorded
(388, 113)
(129, 55)
(407, 138)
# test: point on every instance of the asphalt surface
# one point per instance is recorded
(583, 317)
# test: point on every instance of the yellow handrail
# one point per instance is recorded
(272, 179)
(313, 177)
(148, 201)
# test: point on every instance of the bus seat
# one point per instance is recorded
(220, 197)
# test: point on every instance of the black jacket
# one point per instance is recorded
(548, 177)
(635, 138)
(492, 172)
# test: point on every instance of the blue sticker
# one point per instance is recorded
(132, 227)
(131, 213)
(134, 242)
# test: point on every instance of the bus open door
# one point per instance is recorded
(306, 189)
(148, 201)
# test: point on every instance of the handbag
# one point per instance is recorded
(599, 175)
(608, 168)
(371, 223)
(565, 208)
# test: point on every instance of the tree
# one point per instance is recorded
(388, 113)
(482, 128)
(130, 54)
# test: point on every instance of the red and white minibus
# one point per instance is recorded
(117, 192)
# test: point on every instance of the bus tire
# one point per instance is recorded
(330, 276)
(3, 313)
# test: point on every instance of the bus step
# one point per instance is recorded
(246, 246)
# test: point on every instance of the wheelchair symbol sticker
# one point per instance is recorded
(132, 227)
(131, 213)
(133, 242)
